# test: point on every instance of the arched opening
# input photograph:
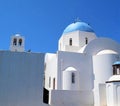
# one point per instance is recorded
(15, 41)
(20, 42)
(70, 41)
(70, 79)
(86, 40)
(73, 78)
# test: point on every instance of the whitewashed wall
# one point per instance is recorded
(21, 79)
(50, 70)
(71, 98)
(102, 72)
(113, 93)
(113, 90)
(100, 44)
(81, 62)
(71, 79)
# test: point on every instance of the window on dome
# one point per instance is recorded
(86, 40)
(70, 41)
(73, 77)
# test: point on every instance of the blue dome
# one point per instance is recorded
(81, 26)
(117, 63)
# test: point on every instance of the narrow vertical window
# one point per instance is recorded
(20, 42)
(70, 41)
(114, 70)
(15, 41)
(73, 77)
(53, 83)
(49, 82)
(118, 71)
(86, 40)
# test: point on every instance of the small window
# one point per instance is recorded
(20, 42)
(116, 70)
(70, 41)
(73, 77)
(15, 41)
(53, 83)
(86, 40)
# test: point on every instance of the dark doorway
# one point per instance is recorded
(45, 96)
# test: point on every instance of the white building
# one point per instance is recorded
(85, 71)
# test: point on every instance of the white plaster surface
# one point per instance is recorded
(71, 98)
(21, 79)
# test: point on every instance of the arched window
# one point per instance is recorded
(15, 41)
(53, 83)
(73, 77)
(20, 42)
(86, 40)
(70, 41)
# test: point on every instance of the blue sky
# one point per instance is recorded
(42, 21)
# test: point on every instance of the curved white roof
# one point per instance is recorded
(107, 52)
(114, 78)
(70, 69)
(101, 44)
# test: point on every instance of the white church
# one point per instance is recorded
(85, 71)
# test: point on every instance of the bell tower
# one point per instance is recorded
(17, 43)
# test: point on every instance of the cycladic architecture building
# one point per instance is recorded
(85, 71)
